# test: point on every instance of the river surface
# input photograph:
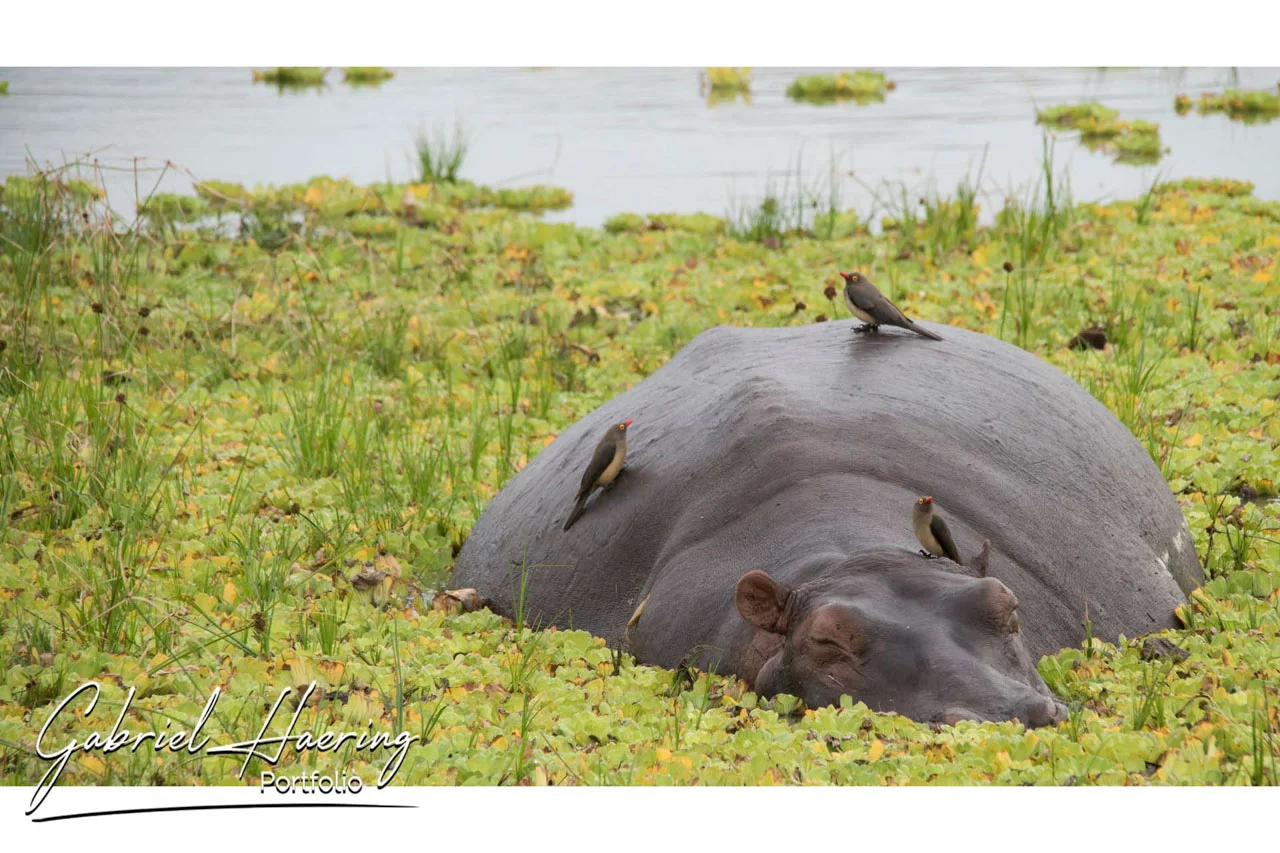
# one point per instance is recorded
(641, 139)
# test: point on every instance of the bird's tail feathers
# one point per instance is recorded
(921, 330)
(578, 509)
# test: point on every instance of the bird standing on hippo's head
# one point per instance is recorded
(868, 304)
(606, 464)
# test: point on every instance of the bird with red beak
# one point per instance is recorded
(606, 464)
(933, 532)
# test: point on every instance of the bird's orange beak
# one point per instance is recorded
(928, 499)
(627, 422)
(847, 275)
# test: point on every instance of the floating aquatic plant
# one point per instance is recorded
(724, 85)
(1101, 129)
(291, 77)
(1072, 115)
(1138, 147)
(727, 80)
(366, 76)
(1249, 107)
(862, 86)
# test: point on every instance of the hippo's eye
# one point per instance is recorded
(1001, 606)
(834, 632)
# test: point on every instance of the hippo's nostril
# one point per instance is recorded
(1045, 712)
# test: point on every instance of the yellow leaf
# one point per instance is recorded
(1262, 277)
(94, 765)
(664, 754)
(979, 255)
(229, 593)
(876, 750)
(1271, 241)
(1194, 441)
(331, 669)
(312, 197)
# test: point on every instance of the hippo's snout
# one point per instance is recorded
(1043, 712)
(1038, 712)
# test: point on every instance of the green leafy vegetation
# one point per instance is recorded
(1249, 107)
(861, 86)
(245, 434)
(366, 76)
(1134, 142)
(291, 77)
(727, 79)
(1072, 116)
(4, 87)
(725, 85)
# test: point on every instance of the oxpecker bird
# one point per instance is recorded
(932, 532)
(606, 464)
(870, 306)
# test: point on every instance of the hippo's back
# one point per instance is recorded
(757, 442)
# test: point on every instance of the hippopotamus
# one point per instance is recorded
(762, 526)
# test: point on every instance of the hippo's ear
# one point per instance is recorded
(762, 601)
(978, 562)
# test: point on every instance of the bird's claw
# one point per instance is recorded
(866, 327)
(927, 555)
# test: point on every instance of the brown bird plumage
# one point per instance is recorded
(870, 306)
(606, 464)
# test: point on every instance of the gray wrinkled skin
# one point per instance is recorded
(800, 452)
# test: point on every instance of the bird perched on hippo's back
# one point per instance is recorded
(865, 301)
(933, 532)
(936, 539)
(606, 464)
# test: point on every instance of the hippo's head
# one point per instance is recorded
(901, 634)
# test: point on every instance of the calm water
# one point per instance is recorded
(624, 139)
